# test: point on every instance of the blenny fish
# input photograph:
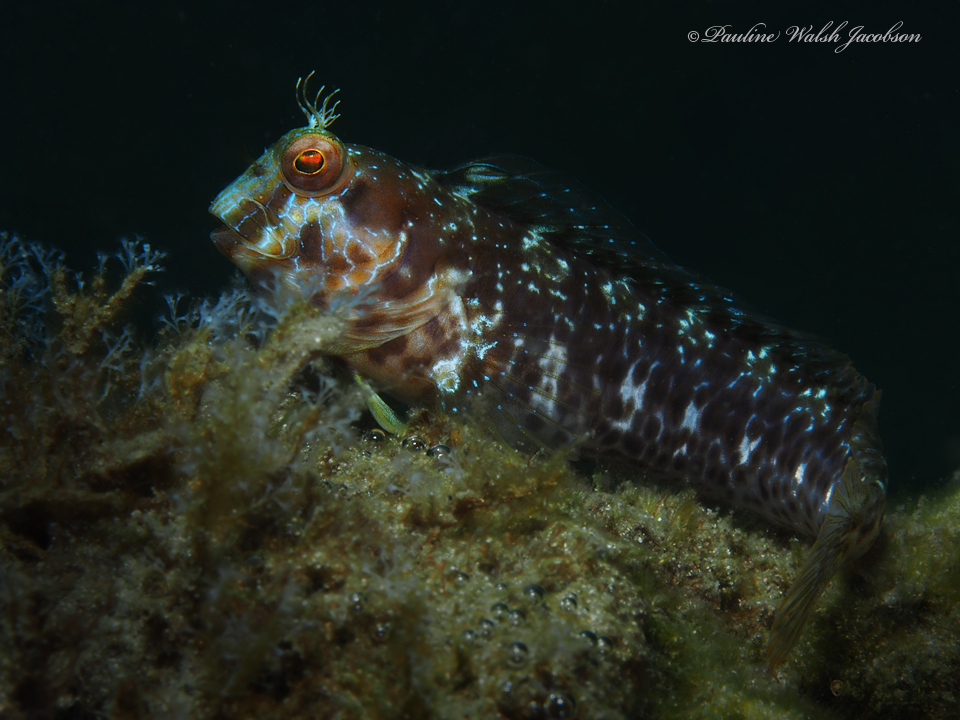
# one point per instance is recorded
(505, 288)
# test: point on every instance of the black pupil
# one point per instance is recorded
(309, 162)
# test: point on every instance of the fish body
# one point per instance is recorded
(511, 290)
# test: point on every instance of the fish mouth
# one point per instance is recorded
(266, 275)
(226, 240)
(236, 245)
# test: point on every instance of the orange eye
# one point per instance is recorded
(312, 163)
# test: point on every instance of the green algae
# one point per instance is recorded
(197, 528)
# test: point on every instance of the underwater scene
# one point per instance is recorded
(429, 429)
(207, 527)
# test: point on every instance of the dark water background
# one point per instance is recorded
(823, 187)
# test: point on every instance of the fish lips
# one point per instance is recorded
(226, 241)
(265, 274)
(237, 247)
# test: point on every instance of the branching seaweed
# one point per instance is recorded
(192, 529)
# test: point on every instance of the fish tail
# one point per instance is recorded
(852, 523)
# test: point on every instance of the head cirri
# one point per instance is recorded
(313, 213)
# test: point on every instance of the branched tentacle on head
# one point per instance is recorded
(321, 117)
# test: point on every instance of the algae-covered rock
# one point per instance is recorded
(202, 527)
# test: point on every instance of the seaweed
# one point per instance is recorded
(197, 526)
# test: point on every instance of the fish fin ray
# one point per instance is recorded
(569, 216)
(386, 321)
(850, 526)
(559, 377)
(525, 424)
(554, 204)
(825, 558)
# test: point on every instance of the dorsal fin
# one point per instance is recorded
(573, 217)
(570, 216)
(554, 204)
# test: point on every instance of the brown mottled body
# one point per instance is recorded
(502, 287)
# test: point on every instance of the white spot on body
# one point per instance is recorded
(746, 448)
(690, 418)
(799, 474)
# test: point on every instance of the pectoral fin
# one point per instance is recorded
(850, 528)
(384, 415)
(825, 558)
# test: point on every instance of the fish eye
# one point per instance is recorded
(312, 163)
(309, 162)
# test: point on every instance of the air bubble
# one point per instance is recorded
(604, 645)
(382, 630)
(469, 635)
(438, 451)
(517, 652)
(569, 603)
(500, 610)
(534, 592)
(358, 600)
(414, 443)
(516, 617)
(486, 627)
(590, 636)
(561, 705)
(374, 437)
(460, 578)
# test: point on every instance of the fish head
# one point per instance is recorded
(314, 213)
